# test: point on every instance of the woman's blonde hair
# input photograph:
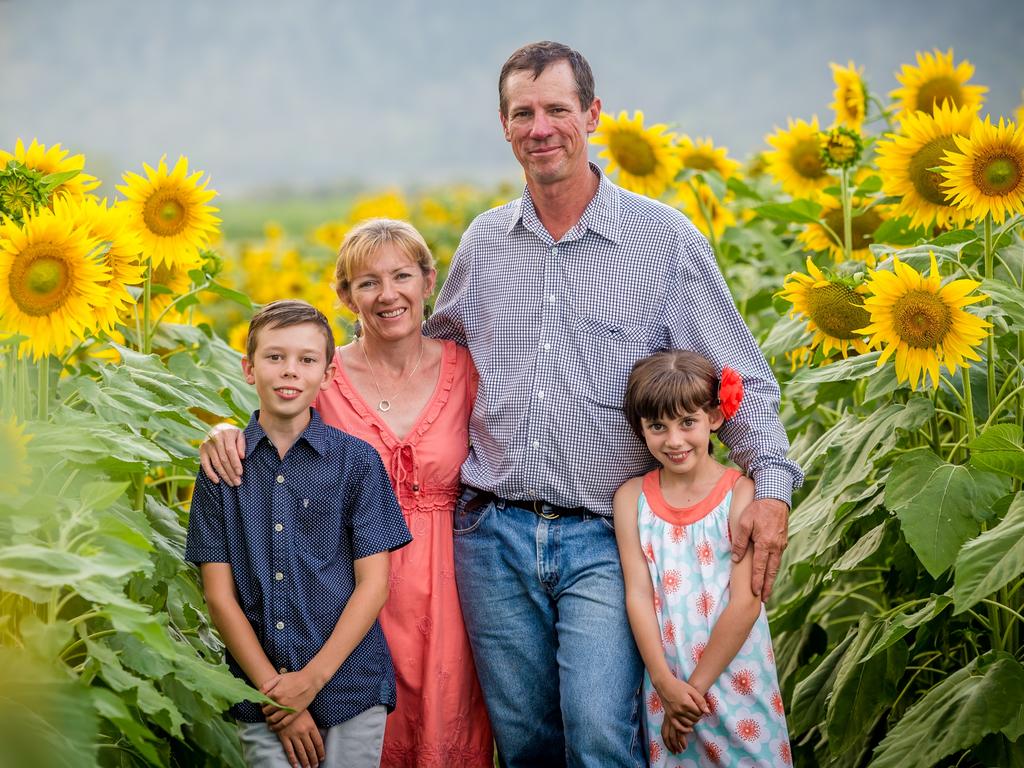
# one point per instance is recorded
(364, 240)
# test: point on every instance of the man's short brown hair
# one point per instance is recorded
(285, 313)
(536, 57)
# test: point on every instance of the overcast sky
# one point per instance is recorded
(314, 93)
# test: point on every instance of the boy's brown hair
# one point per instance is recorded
(667, 385)
(285, 313)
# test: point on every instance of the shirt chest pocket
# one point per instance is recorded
(606, 353)
(319, 526)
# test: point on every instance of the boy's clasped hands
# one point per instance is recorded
(297, 731)
(684, 706)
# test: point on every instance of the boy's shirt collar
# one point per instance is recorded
(315, 433)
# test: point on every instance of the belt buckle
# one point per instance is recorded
(538, 509)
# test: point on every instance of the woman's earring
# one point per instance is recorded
(427, 309)
(357, 327)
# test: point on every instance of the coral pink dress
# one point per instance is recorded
(440, 718)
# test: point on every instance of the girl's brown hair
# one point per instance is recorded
(667, 385)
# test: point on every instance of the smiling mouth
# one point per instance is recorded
(677, 456)
(288, 392)
(390, 313)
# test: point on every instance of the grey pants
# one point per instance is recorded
(356, 743)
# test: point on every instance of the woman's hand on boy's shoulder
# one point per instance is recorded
(221, 454)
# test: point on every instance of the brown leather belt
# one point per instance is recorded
(539, 508)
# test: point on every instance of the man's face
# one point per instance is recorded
(546, 126)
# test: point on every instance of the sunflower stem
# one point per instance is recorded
(146, 341)
(972, 429)
(844, 177)
(43, 390)
(990, 342)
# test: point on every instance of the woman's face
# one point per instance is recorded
(387, 292)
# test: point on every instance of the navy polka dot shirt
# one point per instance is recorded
(291, 532)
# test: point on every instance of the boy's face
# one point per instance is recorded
(288, 369)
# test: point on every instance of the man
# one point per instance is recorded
(556, 295)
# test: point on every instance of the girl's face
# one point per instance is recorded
(388, 294)
(680, 444)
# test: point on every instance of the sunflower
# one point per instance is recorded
(851, 95)
(923, 322)
(986, 176)
(13, 456)
(934, 80)
(702, 155)
(53, 160)
(51, 283)
(646, 158)
(389, 204)
(713, 208)
(112, 227)
(906, 162)
(1018, 114)
(816, 237)
(832, 306)
(170, 211)
(796, 160)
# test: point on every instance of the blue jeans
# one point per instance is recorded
(545, 609)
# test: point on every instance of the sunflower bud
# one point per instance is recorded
(841, 147)
(21, 191)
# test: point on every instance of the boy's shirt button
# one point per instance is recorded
(278, 575)
(280, 625)
(280, 478)
(278, 527)
(282, 670)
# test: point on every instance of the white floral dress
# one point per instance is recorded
(688, 553)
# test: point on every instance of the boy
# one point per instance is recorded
(295, 560)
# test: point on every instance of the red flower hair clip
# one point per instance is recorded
(730, 392)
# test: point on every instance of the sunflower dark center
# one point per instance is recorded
(633, 153)
(862, 229)
(39, 280)
(926, 182)
(837, 310)
(997, 174)
(805, 157)
(700, 162)
(922, 319)
(164, 214)
(937, 90)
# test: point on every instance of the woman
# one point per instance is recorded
(410, 397)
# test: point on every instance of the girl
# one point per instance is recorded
(711, 694)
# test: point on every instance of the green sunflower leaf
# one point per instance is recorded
(1008, 299)
(939, 505)
(992, 560)
(796, 211)
(1000, 448)
(984, 697)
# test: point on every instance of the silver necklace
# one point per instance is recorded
(385, 403)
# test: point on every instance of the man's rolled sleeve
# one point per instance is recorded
(701, 315)
(206, 541)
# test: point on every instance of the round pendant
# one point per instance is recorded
(384, 406)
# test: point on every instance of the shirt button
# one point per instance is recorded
(540, 395)
(547, 347)
(536, 444)
(278, 527)
(278, 576)
(415, 486)
(280, 625)
(554, 251)
(280, 478)
(282, 670)
(553, 298)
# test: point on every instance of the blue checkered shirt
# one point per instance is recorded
(291, 532)
(554, 330)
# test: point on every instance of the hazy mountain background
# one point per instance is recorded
(309, 94)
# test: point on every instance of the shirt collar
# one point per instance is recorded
(315, 433)
(601, 215)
